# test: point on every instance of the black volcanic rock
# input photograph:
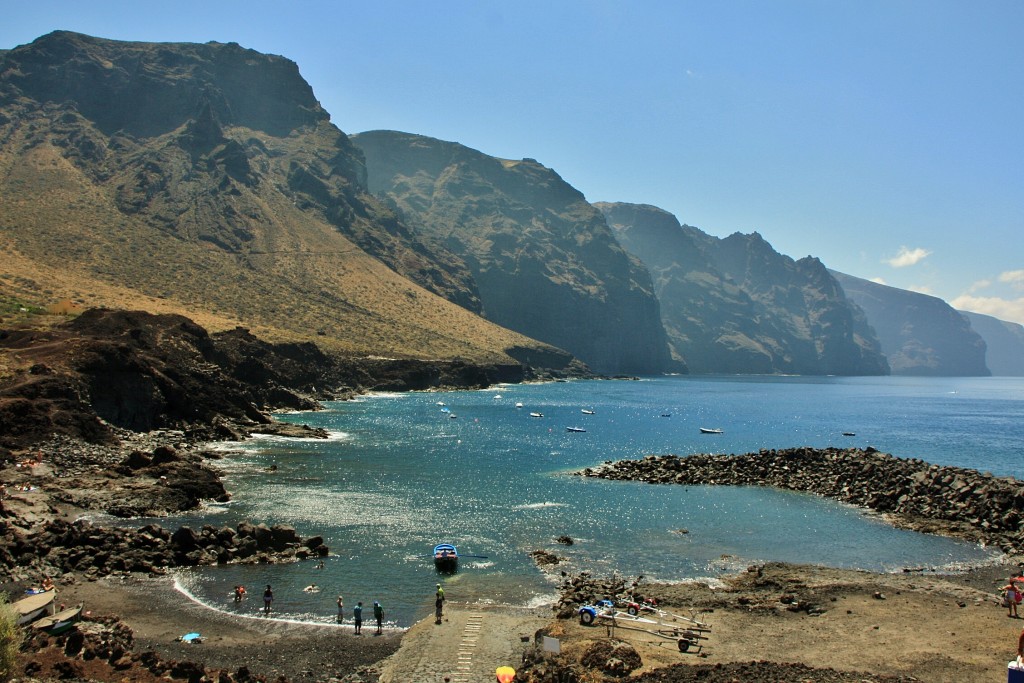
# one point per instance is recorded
(1004, 343)
(737, 306)
(920, 334)
(544, 260)
(139, 371)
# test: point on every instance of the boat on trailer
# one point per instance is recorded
(446, 557)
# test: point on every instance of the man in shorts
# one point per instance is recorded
(357, 617)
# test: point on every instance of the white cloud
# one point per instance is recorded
(980, 284)
(879, 280)
(1014, 277)
(1011, 310)
(908, 257)
(922, 289)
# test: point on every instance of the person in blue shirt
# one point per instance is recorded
(357, 617)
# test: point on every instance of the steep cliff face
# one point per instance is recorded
(920, 334)
(1004, 343)
(544, 260)
(207, 180)
(735, 305)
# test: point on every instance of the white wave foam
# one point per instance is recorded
(332, 435)
(540, 506)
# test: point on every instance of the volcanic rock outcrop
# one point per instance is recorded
(138, 371)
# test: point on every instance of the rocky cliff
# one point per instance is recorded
(735, 305)
(133, 370)
(1004, 343)
(920, 334)
(544, 260)
(207, 180)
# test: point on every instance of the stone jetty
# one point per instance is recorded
(909, 492)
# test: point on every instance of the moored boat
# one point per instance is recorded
(708, 430)
(446, 557)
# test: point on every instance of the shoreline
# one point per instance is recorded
(159, 612)
(935, 627)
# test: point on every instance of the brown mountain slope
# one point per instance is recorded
(545, 261)
(206, 180)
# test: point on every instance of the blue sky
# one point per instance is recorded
(884, 137)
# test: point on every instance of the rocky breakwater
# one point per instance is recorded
(911, 493)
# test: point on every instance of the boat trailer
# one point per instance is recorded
(662, 624)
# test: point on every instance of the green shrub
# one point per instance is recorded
(10, 639)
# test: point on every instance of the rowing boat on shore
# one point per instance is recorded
(34, 606)
(60, 622)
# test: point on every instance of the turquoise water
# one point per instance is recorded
(400, 475)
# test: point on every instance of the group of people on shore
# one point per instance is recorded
(357, 615)
(357, 611)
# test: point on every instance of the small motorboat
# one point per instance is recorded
(849, 434)
(536, 414)
(587, 412)
(446, 557)
(575, 429)
(60, 622)
(519, 405)
(708, 430)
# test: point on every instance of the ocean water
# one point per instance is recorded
(400, 474)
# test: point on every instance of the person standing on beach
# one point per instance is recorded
(378, 614)
(1012, 597)
(357, 617)
(341, 610)
(268, 598)
(438, 604)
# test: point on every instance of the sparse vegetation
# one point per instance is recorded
(10, 639)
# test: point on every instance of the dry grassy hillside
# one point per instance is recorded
(206, 180)
(61, 238)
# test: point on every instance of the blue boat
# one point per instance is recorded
(446, 557)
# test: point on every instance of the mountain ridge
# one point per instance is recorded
(735, 305)
(920, 334)
(544, 260)
(240, 212)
